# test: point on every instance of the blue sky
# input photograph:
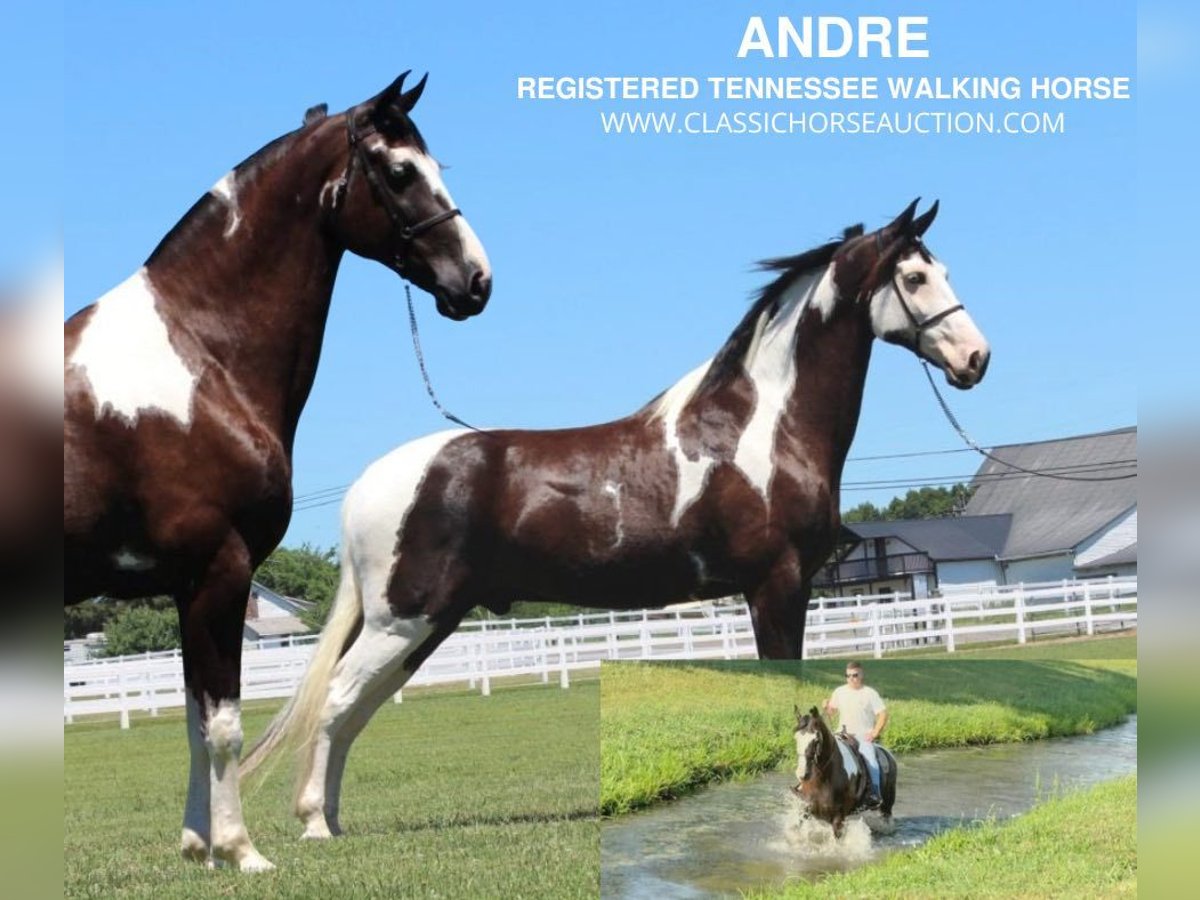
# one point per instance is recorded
(621, 262)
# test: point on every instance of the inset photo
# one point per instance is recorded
(868, 777)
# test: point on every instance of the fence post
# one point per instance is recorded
(485, 670)
(1019, 604)
(472, 654)
(398, 697)
(564, 680)
(875, 631)
(1087, 609)
(123, 698)
(949, 614)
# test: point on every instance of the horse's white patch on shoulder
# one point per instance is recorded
(125, 352)
(692, 473)
(849, 760)
(772, 369)
(225, 190)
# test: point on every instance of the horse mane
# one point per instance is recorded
(732, 356)
(397, 126)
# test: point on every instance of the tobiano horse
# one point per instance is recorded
(726, 482)
(833, 779)
(185, 384)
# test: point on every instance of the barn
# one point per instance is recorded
(1017, 527)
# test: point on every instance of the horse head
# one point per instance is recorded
(387, 202)
(909, 299)
(811, 740)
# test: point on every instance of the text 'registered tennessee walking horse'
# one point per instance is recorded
(185, 383)
(728, 482)
(833, 779)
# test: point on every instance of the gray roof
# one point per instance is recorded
(276, 626)
(1123, 557)
(1050, 515)
(978, 537)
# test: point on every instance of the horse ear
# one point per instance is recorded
(316, 113)
(813, 712)
(383, 101)
(922, 223)
(901, 225)
(409, 100)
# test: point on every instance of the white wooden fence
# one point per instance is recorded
(553, 648)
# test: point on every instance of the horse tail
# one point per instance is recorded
(295, 726)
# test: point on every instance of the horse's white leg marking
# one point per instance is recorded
(771, 366)
(376, 655)
(692, 473)
(225, 190)
(614, 491)
(230, 840)
(342, 740)
(376, 508)
(126, 560)
(127, 356)
(196, 830)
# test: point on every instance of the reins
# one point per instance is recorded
(412, 322)
(406, 234)
(974, 446)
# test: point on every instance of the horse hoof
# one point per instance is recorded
(255, 862)
(193, 848)
(317, 832)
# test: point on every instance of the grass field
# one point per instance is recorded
(1120, 646)
(1081, 844)
(448, 795)
(669, 727)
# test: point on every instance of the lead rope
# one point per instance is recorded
(412, 321)
(974, 446)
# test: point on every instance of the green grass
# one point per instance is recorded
(1123, 646)
(450, 795)
(669, 727)
(1081, 844)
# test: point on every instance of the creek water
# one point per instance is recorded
(732, 837)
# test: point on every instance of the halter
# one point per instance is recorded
(359, 158)
(919, 325)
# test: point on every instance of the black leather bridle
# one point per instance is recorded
(359, 158)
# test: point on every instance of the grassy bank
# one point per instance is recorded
(669, 727)
(445, 795)
(1082, 844)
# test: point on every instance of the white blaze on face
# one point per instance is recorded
(803, 739)
(473, 255)
(225, 190)
(126, 355)
(926, 287)
(771, 366)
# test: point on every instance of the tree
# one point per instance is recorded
(923, 503)
(306, 573)
(137, 629)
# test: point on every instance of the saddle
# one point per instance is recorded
(850, 744)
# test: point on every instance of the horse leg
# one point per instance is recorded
(363, 675)
(211, 622)
(341, 741)
(777, 609)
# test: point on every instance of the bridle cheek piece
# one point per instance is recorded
(359, 159)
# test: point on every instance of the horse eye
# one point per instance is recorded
(399, 173)
(914, 279)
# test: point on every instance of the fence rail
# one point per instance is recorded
(553, 648)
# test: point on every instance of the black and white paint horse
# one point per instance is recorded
(832, 777)
(728, 482)
(185, 384)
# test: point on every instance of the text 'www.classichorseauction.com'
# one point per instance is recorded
(803, 104)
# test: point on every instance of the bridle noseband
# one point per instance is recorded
(360, 159)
